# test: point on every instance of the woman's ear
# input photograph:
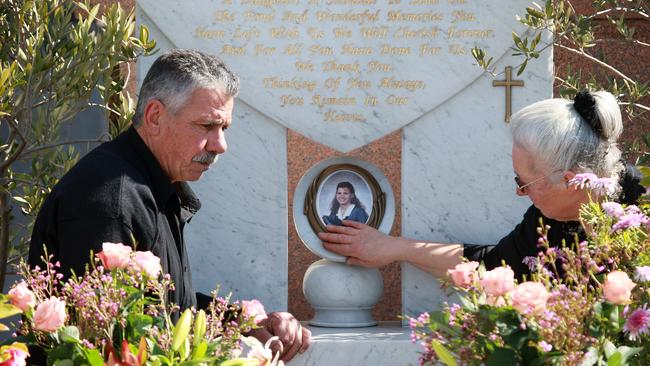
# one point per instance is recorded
(567, 176)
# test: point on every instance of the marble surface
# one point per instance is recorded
(342, 73)
(342, 295)
(457, 176)
(388, 344)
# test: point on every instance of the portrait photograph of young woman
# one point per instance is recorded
(344, 195)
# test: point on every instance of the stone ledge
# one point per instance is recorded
(387, 344)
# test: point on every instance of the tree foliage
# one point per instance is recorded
(54, 54)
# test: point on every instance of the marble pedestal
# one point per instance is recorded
(387, 344)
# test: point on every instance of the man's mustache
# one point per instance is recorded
(206, 158)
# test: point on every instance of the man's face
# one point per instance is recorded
(191, 140)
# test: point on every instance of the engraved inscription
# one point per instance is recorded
(345, 57)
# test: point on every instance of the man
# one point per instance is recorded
(134, 187)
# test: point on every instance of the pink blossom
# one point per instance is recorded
(613, 209)
(545, 346)
(265, 355)
(17, 353)
(637, 323)
(642, 274)
(463, 274)
(617, 288)
(254, 309)
(21, 296)
(498, 281)
(148, 262)
(529, 298)
(631, 220)
(114, 255)
(50, 315)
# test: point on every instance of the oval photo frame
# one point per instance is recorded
(371, 200)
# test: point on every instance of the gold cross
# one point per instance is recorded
(508, 83)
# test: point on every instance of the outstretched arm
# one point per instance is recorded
(367, 246)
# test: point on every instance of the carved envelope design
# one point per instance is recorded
(341, 72)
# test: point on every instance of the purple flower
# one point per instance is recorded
(642, 274)
(637, 323)
(583, 180)
(631, 220)
(604, 186)
(613, 209)
(600, 186)
(545, 346)
(632, 209)
(530, 262)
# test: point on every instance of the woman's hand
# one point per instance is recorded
(362, 244)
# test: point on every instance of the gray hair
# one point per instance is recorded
(561, 139)
(177, 73)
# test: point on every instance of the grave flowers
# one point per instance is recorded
(586, 303)
(117, 314)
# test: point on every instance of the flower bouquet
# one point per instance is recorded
(586, 303)
(117, 314)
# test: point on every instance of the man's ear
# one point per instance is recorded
(153, 112)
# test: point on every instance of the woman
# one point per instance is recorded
(345, 206)
(553, 140)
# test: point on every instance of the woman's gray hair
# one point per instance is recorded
(177, 73)
(561, 139)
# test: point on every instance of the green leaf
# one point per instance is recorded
(7, 310)
(94, 358)
(199, 327)
(181, 330)
(199, 350)
(241, 362)
(66, 362)
(609, 348)
(502, 356)
(443, 353)
(616, 359)
(628, 352)
(69, 334)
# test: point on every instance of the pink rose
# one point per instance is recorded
(21, 296)
(17, 353)
(254, 309)
(463, 274)
(114, 255)
(529, 298)
(50, 315)
(148, 262)
(617, 288)
(498, 281)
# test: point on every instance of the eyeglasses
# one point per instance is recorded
(522, 186)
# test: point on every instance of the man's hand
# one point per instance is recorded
(362, 244)
(294, 338)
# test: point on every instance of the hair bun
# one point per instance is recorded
(585, 105)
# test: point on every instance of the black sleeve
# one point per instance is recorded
(75, 239)
(511, 249)
(202, 300)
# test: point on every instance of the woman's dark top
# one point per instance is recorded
(358, 214)
(522, 241)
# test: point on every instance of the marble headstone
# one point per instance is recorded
(345, 73)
